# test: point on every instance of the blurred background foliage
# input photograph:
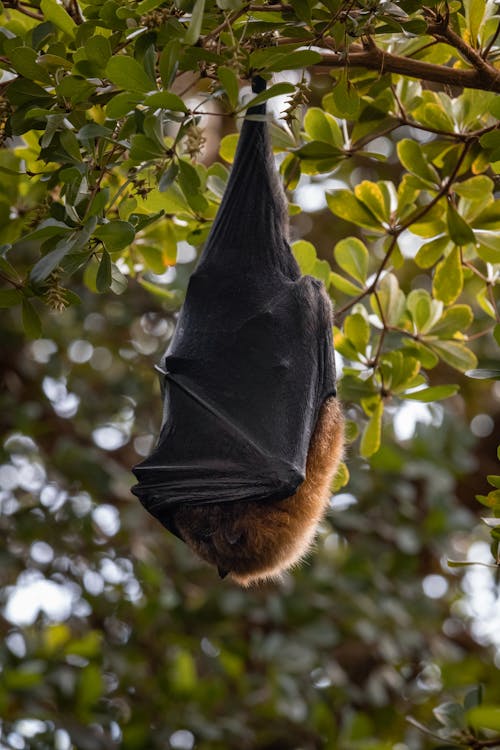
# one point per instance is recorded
(118, 126)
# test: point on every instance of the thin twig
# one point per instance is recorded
(492, 41)
(14, 5)
(444, 191)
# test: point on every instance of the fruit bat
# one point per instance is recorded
(252, 432)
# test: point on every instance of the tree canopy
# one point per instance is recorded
(118, 126)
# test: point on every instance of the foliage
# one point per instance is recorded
(108, 180)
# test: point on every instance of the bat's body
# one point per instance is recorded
(258, 540)
(252, 433)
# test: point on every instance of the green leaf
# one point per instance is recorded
(456, 319)
(357, 330)
(484, 374)
(448, 280)
(318, 150)
(426, 356)
(352, 256)
(370, 440)
(450, 715)
(473, 697)
(434, 393)
(171, 297)
(90, 686)
(413, 159)
(484, 717)
(229, 81)
(169, 62)
(305, 255)
(10, 297)
(54, 12)
(320, 126)
(103, 277)
(343, 203)
(44, 267)
(121, 104)
(475, 189)
(294, 60)
(24, 61)
(228, 145)
(153, 258)
(344, 100)
(344, 285)
(31, 321)
(424, 310)
(115, 235)
(434, 116)
(166, 100)
(454, 354)
(391, 298)
(278, 89)
(373, 198)
(429, 253)
(127, 73)
(145, 149)
(194, 29)
(460, 231)
(341, 478)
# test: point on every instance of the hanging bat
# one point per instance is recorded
(252, 432)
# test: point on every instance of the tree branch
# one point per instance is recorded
(487, 79)
(443, 33)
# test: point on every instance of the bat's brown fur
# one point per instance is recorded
(258, 540)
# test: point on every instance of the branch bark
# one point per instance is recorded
(486, 79)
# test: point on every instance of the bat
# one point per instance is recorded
(252, 431)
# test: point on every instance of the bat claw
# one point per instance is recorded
(222, 573)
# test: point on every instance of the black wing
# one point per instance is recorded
(251, 360)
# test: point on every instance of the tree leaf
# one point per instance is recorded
(352, 256)
(448, 280)
(126, 72)
(103, 276)
(455, 319)
(454, 354)
(10, 297)
(413, 159)
(485, 716)
(228, 145)
(434, 393)
(475, 188)
(460, 231)
(357, 330)
(484, 374)
(54, 12)
(344, 204)
(166, 100)
(344, 100)
(278, 89)
(373, 198)
(115, 235)
(344, 285)
(320, 126)
(429, 253)
(391, 298)
(229, 81)
(44, 267)
(194, 29)
(169, 62)
(370, 440)
(31, 320)
(305, 255)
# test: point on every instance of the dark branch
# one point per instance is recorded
(385, 62)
